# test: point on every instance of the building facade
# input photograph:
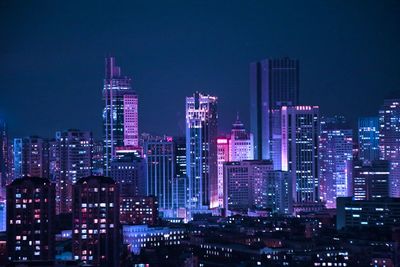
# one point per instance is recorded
(96, 230)
(368, 139)
(120, 113)
(273, 83)
(30, 220)
(201, 152)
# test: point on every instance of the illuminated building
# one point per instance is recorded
(139, 210)
(241, 143)
(335, 155)
(368, 138)
(75, 149)
(384, 212)
(129, 172)
(254, 183)
(5, 157)
(142, 236)
(389, 141)
(120, 113)
(160, 163)
(97, 158)
(371, 180)
(273, 83)
(96, 233)
(300, 132)
(201, 152)
(30, 215)
(223, 155)
(179, 193)
(31, 157)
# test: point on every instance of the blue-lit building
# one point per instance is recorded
(368, 139)
(201, 152)
(384, 212)
(335, 156)
(273, 83)
(389, 141)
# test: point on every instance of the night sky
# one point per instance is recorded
(52, 57)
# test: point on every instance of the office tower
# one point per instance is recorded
(383, 212)
(97, 158)
(368, 138)
(139, 210)
(201, 151)
(5, 165)
(30, 220)
(300, 131)
(54, 161)
(3, 215)
(31, 157)
(180, 179)
(75, 155)
(273, 83)
(371, 180)
(241, 143)
(96, 230)
(120, 114)
(223, 155)
(159, 153)
(129, 172)
(335, 155)
(389, 141)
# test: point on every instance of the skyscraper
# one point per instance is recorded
(96, 232)
(335, 155)
(160, 171)
(241, 142)
(180, 179)
(4, 156)
(389, 141)
(273, 83)
(31, 157)
(368, 138)
(223, 156)
(74, 148)
(30, 220)
(120, 113)
(300, 132)
(201, 151)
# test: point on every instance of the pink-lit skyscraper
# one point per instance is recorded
(120, 113)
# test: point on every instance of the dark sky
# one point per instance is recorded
(52, 55)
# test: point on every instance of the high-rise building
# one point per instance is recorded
(389, 141)
(241, 143)
(368, 139)
(180, 178)
(30, 220)
(31, 157)
(75, 149)
(159, 154)
(335, 155)
(97, 158)
(201, 151)
(273, 83)
(129, 172)
(120, 114)
(371, 180)
(223, 155)
(255, 184)
(5, 164)
(300, 132)
(96, 230)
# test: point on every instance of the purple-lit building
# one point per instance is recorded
(96, 231)
(335, 156)
(389, 141)
(368, 139)
(5, 157)
(120, 113)
(273, 83)
(201, 152)
(241, 143)
(75, 161)
(300, 133)
(30, 220)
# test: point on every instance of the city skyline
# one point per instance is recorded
(166, 66)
